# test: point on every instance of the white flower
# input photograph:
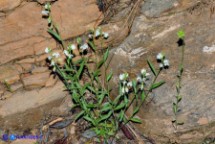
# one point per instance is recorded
(160, 56)
(56, 55)
(166, 63)
(105, 34)
(124, 82)
(52, 63)
(143, 71)
(72, 47)
(45, 13)
(90, 36)
(140, 79)
(161, 65)
(123, 90)
(121, 77)
(98, 32)
(141, 87)
(129, 84)
(49, 20)
(66, 52)
(47, 6)
(84, 46)
(47, 50)
(126, 89)
(147, 74)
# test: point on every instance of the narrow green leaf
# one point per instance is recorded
(55, 35)
(179, 97)
(134, 84)
(105, 117)
(81, 68)
(116, 100)
(92, 45)
(152, 67)
(79, 115)
(106, 107)
(175, 108)
(121, 115)
(143, 96)
(101, 98)
(136, 120)
(109, 76)
(100, 64)
(135, 111)
(156, 85)
(106, 55)
(90, 120)
(122, 105)
(91, 89)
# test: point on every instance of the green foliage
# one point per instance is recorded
(103, 112)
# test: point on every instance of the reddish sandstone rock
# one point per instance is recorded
(36, 80)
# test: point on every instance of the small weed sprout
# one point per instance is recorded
(105, 115)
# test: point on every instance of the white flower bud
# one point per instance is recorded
(56, 55)
(84, 46)
(52, 63)
(72, 47)
(45, 13)
(121, 77)
(147, 74)
(98, 32)
(143, 71)
(161, 65)
(106, 35)
(129, 84)
(166, 63)
(160, 56)
(47, 50)
(68, 54)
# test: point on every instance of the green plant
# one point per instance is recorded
(105, 113)
(178, 96)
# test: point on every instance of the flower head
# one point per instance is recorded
(56, 55)
(48, 6)
(98, 32)
(161, 65)
(47, 50)
(52, 63)
(143, 71)
(160, 56)
(129, 84)
(66, 52)
(105, 34)
(123, 76)
(45, 13)
(166, 63)
(72, 47)
(84, 46)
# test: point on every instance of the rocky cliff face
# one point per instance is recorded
(154, 31)
(26, 82)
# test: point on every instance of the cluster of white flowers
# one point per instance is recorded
(126, 85)
(46, 11)
(53, 56)
(84, 46)
(142, 78)
(98, 32)
(163, 62)
(68, 54)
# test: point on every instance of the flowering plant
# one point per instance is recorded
(105, 115)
